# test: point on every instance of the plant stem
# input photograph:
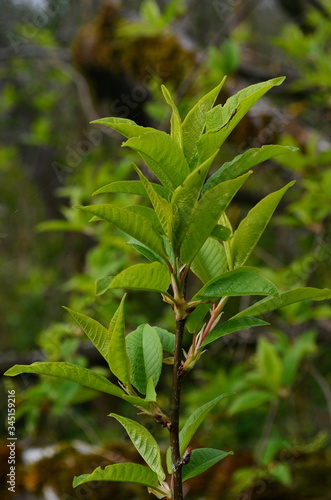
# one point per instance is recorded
(175, 407)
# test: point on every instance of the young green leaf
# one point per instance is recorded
(162, 207)
(194, 124)
(163, 156)
(133, 187)
(144, 443)
(154, 276)
(69, 371)
(144, 349)
(117, 357)
(252, 227)
(241, 281)
(244, 162)
(285, 298)
(206, 215)
(96, 332)
(124, 472)
(210, 261)
(201, 460)
(131, 223)
(244, 100)
(230, 326)
(185, 197)
(221, 120)
(175, 121)
(126, 127)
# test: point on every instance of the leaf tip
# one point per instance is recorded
(77, 480)
(279, 80)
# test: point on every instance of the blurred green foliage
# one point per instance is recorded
(50, 256)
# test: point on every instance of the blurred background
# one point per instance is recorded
(64, 63)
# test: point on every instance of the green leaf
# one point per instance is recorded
(167, 339)
(249, 400)
(221, 232)
(148, 213)
(131, 223)
(144, 349)
(96, 332)
(117, 357)
(175, 121)
(244, 99)
(221, 120)
(79, 375)
(230, 326)
(152, 349)
(194, 421)
(69, 371)
(206, 214)
(194, 123)
(269, 364)
(102, 284)
(124, 472)
(244, 162)
(126, 127)
(224, 220)
(150, 391)
(143, 250)
(154, 276)
(144, 443)
(163, 156)
(210, 261)
(252, 227)
(162, 207)
(133, 187)
(185, 197)
(285, 298)
(201, 460)
(241, 281)
(191, 425)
